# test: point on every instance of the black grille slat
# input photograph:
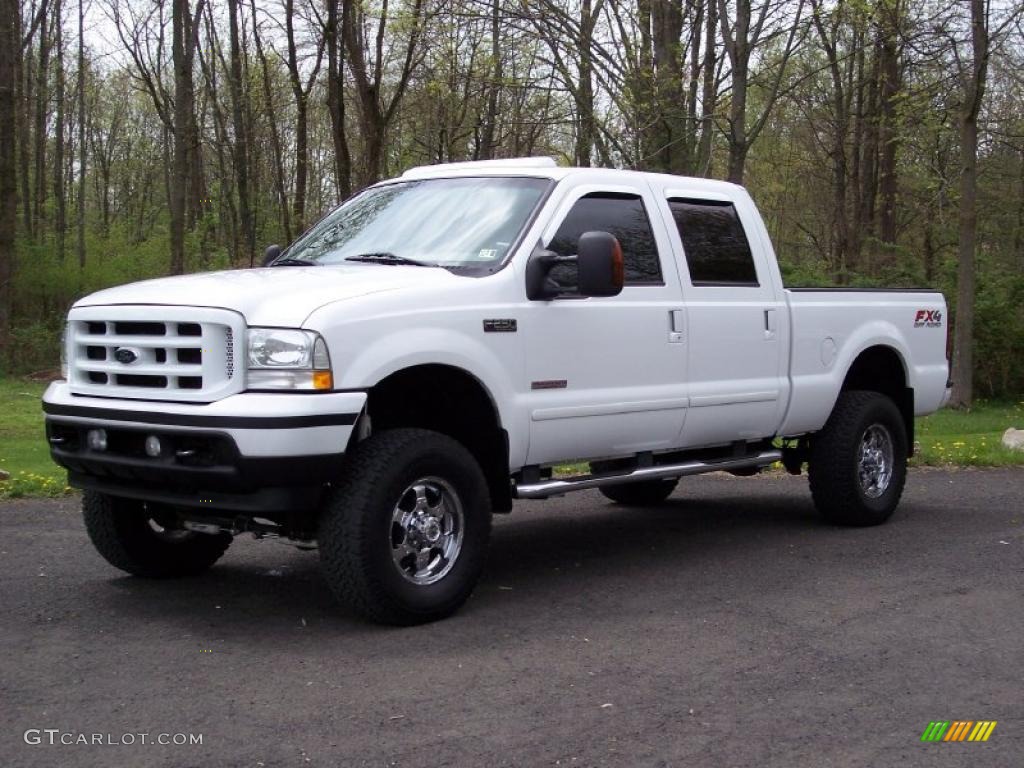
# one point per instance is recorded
(139, 380)
(140, 329)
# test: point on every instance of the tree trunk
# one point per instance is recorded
(301, 162)
(963, 339)
(59, 198)
(887, 134)
(336, 97)
(24, 98)
(275, 136)
(974, 92)
(696, 12)
(489, 130)
(81, 134)
(301, 121)
(42, 108)
(670, 119)
(179, 179)
(739, 58)
(869, 160)
(708, 95)
(585, 124)
(10, 52)
(239, 97)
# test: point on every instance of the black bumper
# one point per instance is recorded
(201, 469)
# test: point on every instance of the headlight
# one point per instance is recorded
(280, 358)
(64, 352)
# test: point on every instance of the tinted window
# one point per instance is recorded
(717, 251)
(624, 217)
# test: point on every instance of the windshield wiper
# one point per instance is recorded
(290, 262)
(385, 257)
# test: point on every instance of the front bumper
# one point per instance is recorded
(247, 452)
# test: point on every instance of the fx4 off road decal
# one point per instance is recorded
(928, 318)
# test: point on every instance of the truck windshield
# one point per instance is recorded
(460, 222)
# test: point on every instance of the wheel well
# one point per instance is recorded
(880, 369)
(451, 401)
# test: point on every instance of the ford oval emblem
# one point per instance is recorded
(126, 355)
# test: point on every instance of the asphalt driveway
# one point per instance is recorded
(727, 628)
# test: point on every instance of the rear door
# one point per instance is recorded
(606, 376)
(737, 328)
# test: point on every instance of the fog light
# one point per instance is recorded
(97, 439)
(153, 446)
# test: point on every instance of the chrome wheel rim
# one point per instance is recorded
(875, 460)
(426, 530)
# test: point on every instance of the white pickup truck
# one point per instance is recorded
(432, 348)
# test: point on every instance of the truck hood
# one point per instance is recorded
(281, 296)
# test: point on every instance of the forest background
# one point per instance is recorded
(882, 139)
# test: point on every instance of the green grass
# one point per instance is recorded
(946, 438)
(969, 438)
(23, 449)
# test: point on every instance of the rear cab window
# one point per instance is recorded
(715, 245)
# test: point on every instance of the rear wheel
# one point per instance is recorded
(403, 533)
(142, 540)
(646, 493)
(858, 462)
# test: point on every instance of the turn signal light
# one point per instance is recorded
(323, 380)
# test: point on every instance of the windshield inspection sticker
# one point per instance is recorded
(487, 254)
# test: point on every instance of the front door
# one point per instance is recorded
(607, 376)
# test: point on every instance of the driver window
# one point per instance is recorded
(622, 215)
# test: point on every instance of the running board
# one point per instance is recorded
(548, 488)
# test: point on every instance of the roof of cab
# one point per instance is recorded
(546, 167)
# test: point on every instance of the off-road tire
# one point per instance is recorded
(121, 531)
(835, 456)
(354, 530)
(646, 493)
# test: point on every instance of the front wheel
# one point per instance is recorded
(858, 462)
(140, 539)
(403, 533)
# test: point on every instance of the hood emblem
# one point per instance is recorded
(126, 355)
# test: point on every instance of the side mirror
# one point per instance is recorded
(600, 265)
(272, 252)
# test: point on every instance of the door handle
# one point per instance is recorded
(769, 323)
(676, 326)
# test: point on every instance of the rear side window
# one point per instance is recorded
(717, 251)
(625, 217)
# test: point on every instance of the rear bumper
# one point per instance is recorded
(248, 452)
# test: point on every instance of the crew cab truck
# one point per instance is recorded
(429, 350)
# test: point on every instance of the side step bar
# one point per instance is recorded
(548, 488)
